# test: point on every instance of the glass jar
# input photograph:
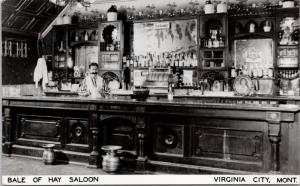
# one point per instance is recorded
(112, 13)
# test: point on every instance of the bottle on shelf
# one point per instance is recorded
(112, 13)
(170, 92)
(61, 48)
(93, 35)
(86, 36)
(209, 43)
(221, 42)
(76, 36)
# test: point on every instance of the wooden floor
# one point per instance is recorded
(21, 165)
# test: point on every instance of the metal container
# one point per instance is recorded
(111, 161)
(48, 154)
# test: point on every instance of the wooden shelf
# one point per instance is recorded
(212, 58)
(139, 68)
(60, 68)
(113, 70)
(188, 68)
(60, 52)
(212, 49)
(288, 46)
(77, 77)
(288, 68)
(214, 68)
(253, 35)
(109, 52)
(83, 43)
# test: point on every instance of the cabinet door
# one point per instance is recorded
(39, 127)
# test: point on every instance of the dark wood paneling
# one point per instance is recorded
(169, 139)
(224, 142)
(119, 131)
(20, 22)
(21, 14)
(228, 144)
(5, 16)
(51, 9)
(35, 6)
(39, 24)
(38, 127)
(77, 131)
(12, 3)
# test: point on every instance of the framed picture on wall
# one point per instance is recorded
(173, 36)
(253, 54)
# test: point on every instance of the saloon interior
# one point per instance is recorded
(193, 87)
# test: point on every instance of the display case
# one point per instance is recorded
(62, 62)
(111, 45)
(251, 42)
(213, 52)
(213, 42)
(287, 53)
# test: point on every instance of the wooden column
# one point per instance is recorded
(94, 159)
(141, 136)
(7, 148)
(274, 133)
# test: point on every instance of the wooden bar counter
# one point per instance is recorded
(185, 136)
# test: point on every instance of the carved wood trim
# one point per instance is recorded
(140, 110)
(273, 117)
(274, 133)
(94, 155)
(131, 118)
(141, 142)
(92, 107)
(8, 126)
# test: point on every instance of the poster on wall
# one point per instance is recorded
(165, 36)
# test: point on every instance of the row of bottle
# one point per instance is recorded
(163, 60)
(86, 35)
(216, 86)
(213, 63)
(209, 42)
(254, 72)
(288, 74)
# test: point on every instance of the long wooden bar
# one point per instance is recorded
(234, 99)
(187, 136)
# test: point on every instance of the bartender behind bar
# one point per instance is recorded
(93, 84)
